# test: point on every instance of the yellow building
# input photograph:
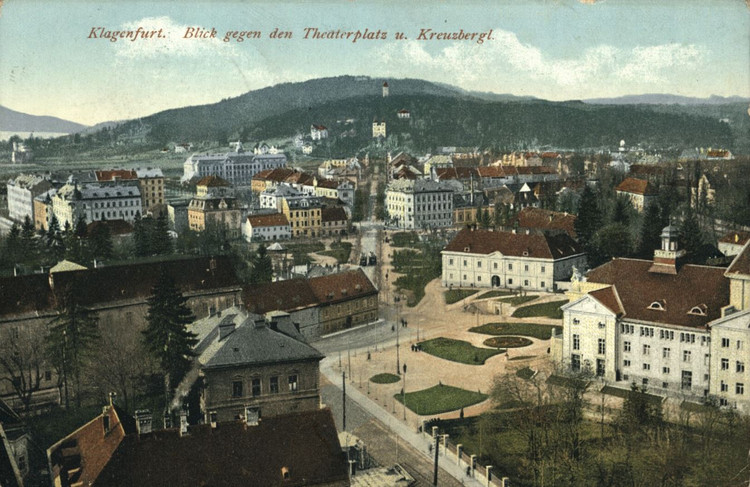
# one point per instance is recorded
(215, 206)
(304, 215)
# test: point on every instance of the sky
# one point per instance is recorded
(51, 64)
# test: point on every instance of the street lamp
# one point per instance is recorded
(397, 299)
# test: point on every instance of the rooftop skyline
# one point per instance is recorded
(55, 61)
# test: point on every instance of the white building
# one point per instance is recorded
(117, 200)
(21, 193)
(318, 132)
(419, 204)
(272, 197)
(330, 188)
(237, 167)
(679, 330)
(486, 258)
(378, 129)
(272, 226)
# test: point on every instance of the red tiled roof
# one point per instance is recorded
(444, 173)
(740, 266)
(609, 298)
(278, 174)
(546, 219)
(294, 294)
(333, 214)
(212, 182)
(272, 220)
(737, 238)
(89, 447)
(637, 186)
(328, 183)
(515, 244)
(691, 286)
(109, 175)
(320, 127)
(39, 292)
(547, 155)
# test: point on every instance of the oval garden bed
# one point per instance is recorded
(385, 378)
(507, 342)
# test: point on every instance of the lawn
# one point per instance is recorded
(340, 251)
(456, 295)
(457, 351)
(385, 378)
(404, 239)
(300, 251)
(507, 342)
(532, 330)
(440, 399)
(495, 294)
(518, 300)
(550, 310)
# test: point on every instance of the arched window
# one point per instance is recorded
(657, 305)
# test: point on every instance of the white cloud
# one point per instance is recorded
(173, 43)
(507, 57)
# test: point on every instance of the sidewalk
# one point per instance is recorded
(420, 443)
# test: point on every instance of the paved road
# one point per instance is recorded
(383, 443)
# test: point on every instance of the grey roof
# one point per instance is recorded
(418, 186)
(149, 172)
(253, 343)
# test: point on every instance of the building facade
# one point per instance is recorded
(266, 228)
(419, 204)
(485, 258)
(677, 329)
(640, 192)
(21, 193)
(237, 167)
(304, 215)
(115, 200)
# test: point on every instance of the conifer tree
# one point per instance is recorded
(589, 218)
(650, 237)
(101, 242)
(262, 266)
(72, 340)
(166, 336)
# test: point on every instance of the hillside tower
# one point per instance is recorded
(385, 89)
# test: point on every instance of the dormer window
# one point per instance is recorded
(658, 305)
(700, 310)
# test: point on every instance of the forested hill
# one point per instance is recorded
(440, 115)
(445, 121)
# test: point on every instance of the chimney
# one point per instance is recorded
(143, 421)
(183, 423)
(167, 419)
(112, 396)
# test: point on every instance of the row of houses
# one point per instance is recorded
(116, 194)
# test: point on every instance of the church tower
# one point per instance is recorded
(385, 89)
(666, 259)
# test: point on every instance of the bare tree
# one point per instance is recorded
(22, 360)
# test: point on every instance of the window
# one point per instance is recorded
(646, 366)
(575, 362)
(510, 282)
(687, 380)
(626, 363)
(665, 385)
(542, 269)
(644, 381)
(725, 364)
(237, 388)
(600, 367)
(526, 268)
(602, 324)
(494, 265)
(646, 349)
(576, 342)
(724, 342)
(47, 375)
(525, 282)
(740, 366)
(465, 263)
(665, 352)
(739, 344)
(739, 388)
(542, 284)
(686, 355)
(665, 370)
(274, 385)
(724, 386)
(255, 387)
(657, 305)
(479, 264)
(576, 321)
(602, 348)
(626, 346)
(510, 267)
(293, 383)
(450, 261)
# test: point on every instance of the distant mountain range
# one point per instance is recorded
(664, 99)
(441, 115)
(13, 121)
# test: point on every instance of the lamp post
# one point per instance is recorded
(398, 325)
(403, 392)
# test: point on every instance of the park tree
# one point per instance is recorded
(166, 335)
(160, 241)
(262, 266)
(100, 241)
(650, 234)
(610, 241)
(691, 235)
(485, 221)
(589, 218)
(29, 247)
(73, 337)
(623, 211)
(22, 360)
(12, 245)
